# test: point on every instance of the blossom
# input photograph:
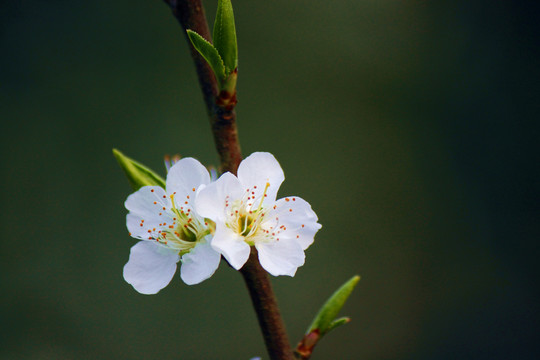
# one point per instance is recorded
(246, 213)
(170, 231)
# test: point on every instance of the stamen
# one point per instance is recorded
(263, 196)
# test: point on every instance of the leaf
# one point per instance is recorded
(137, 174)
(209, 53)
(338, 322)
(225, 35)
(325, 319)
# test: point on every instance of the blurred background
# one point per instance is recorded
(410, 126)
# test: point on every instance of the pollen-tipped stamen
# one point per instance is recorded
(188, 228)
(263, 196)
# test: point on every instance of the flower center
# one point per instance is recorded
(246, 217)
(245, 224)
(185, 231)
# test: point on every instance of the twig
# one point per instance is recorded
(190, 14)
(266, 307)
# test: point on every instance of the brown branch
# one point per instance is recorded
(220, 109)
(190, 14)
(266, 307)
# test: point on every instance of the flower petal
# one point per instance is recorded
(282, 257)
(211, 200)
(200, 263)
(150, 267)
(147, 229)
(296, 220)
(184, 178)
(141, 202)
(149, 207)
(257, 170)
(231, 245)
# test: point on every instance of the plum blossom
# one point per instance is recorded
(170, 231)
(246, 213)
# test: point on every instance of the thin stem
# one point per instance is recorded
(266, 307)
(190, 14)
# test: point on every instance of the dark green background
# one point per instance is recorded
(410, 126)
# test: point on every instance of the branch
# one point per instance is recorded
(220, 109)
(266, 307)
(190, 14)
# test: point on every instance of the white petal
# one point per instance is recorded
(149, 229)
(296, 220)
(150, 267)
(148, 208)
(200, 263)
(257, 170)
(184, 178)
(282, 257)
(231, 245)
(142, 201)
(211, 200)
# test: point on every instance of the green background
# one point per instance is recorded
(410, 126)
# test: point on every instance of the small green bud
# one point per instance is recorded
(222, 55)
(209, 53)
(325, 320)
(137, 174)
(338, 322)
(225, 35)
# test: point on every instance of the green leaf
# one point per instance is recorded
(325, 319)
(209, 53)
(137, 174)
(338, 322)
(225, 35)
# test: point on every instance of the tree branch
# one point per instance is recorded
(266, 307)
(190, 14)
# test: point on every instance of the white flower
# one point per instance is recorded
(246, 214)
(171, 231)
